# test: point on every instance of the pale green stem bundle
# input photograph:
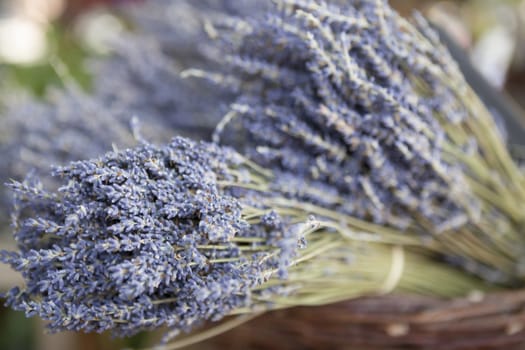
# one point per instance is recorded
(494, 237)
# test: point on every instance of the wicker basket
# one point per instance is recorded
(495, 321)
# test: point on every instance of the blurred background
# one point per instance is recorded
(491, 31)
(35, 34)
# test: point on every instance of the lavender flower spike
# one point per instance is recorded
(327, 96)
(354, 99)
(145, 238)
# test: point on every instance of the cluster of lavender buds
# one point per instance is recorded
(137, 93)
(141, 78)
(353, 100)
(186, 233)
(70, 125)
(71, 120)
(147, 237)
(328, 93)
(169, 37)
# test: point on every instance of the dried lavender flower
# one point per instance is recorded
(143, 73)
(327, 96)
(354, 100)
(144, 238)
(189, 232)
(141, 78)
(68, 125)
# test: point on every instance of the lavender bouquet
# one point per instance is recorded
(192, 232)
(361, 101)
(353, 160)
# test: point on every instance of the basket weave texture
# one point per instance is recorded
(494, 321)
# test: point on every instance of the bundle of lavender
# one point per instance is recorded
(364, 165)
(372, 107)
(191, 232)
